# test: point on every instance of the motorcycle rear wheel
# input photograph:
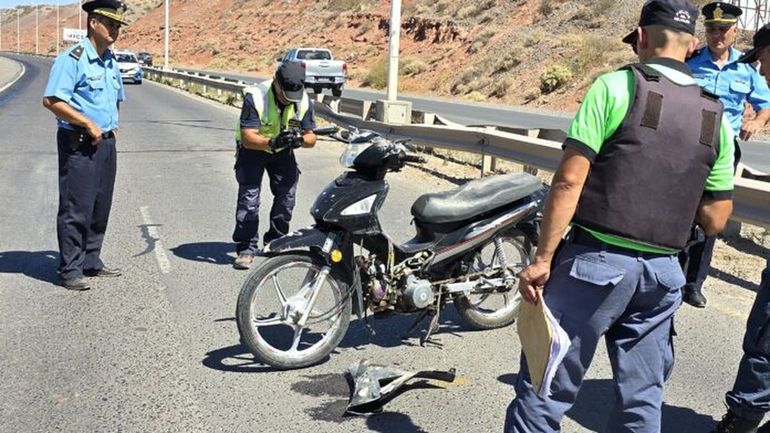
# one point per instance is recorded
(270, 305)
(495, 310)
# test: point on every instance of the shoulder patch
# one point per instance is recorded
(77, 52)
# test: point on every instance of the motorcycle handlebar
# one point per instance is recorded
(414, 158)
(329, 130)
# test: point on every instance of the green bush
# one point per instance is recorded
(554, 77)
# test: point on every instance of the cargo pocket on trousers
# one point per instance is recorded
(596, 273)
(672, 280)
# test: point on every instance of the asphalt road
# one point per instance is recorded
(157, 350)
(756, 153)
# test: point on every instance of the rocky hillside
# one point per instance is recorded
(541, 53)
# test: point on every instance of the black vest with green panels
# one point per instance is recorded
(649, 176)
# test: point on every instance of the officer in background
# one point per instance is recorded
(749, 400)
(716, 68)
(84, 91)
(276, 118)
(635, 174)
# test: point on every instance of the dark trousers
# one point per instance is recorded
(283, 173)
(750, 396)
(696, 260)
(86, 184)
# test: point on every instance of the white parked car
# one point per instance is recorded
(130, 69)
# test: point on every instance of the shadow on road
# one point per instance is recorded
(235, 359)
(210, 252)
(391, 330)
(40, 265)
(748, 246)
(732, 279)
(597, 396)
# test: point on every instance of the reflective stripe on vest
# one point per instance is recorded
(264, 102)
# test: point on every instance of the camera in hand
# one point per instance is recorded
(291, 137)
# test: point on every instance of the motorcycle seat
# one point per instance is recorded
(474, 198)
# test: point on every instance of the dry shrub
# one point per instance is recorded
(475, 9)
(412, 66)
(475, 96)
(590, 51)
(507, 62)
(500, 88)
(482, 40)
(378, 74)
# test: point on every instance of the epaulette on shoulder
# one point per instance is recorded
(695, 53)
(77, 52)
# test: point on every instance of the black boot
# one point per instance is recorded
(733, 423)
(694, 297)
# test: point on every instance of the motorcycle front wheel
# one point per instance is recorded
(290, 313)
(495, 310)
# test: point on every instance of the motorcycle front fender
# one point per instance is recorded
(303, 239)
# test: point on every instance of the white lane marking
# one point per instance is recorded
(160, 250)
(21, 74)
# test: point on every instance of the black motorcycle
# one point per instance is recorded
(295, 306)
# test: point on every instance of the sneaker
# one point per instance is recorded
(78, 284)
(103, 272)
(243, 261)
(733, 423)
(694, 298)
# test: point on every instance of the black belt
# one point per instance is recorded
(580, 236)
(105, 134)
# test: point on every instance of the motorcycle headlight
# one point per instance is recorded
(360, 207)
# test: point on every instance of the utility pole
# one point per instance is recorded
(18, 40)
(2, 12)
(37, 28)
(57, 28)
(391, 110)
(165, 43)
(393, 47)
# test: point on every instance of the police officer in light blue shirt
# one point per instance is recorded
(84, 92)
(716, 68)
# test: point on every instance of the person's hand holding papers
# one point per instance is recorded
(532, 279)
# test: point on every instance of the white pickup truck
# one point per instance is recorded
(321, 70)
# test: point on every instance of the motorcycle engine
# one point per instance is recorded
(418, 293)
(373, 277)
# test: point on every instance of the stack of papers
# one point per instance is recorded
(544, 343)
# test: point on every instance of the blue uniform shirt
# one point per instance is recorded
(89, 84)
(735, 84)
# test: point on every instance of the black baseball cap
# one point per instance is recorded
(291, 77)
(675, 14)
(761, 40)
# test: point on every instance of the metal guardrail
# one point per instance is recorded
(535, 147)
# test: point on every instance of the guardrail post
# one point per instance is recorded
(488, 163)
(531, 169)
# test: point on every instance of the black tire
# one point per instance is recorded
(481, 318)
(335, 311)
(337, 91)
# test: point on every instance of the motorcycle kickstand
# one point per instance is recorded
(432, 327)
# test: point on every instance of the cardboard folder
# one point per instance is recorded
(544, 343)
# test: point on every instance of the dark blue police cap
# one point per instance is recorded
(677, 15)
(112, 9)
(720, 14)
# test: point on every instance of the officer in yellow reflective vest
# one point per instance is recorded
(276, 118)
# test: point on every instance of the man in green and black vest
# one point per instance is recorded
(647, 154)
(276, 118)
